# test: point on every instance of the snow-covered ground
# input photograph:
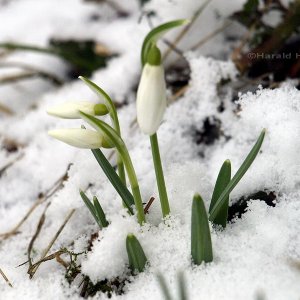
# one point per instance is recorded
(258, 254)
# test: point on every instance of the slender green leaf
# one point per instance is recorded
(238, 176)
(100, 213)
(113, 115)
(221, 183)
(90, 206)
(182, 287)
(136, 256)
(114, 179)
(103, 95)
(116, 140)
(163, 286)
(201, 247)
(156, 33)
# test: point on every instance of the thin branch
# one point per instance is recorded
(56, 80)
(36, 234)
(149, 203)
(62, 261)
(4, 109)
(185, 29)
(179, 93)
(34, 267)
(49, 257)
(211, 35)
(5, 278)
(8, 165)
(56, 186)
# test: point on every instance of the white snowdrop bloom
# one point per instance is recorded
(151, 97)
(80, 138)
(70, 110)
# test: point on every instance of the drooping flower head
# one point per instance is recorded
(81, 138)
(70, 110)
(151, 94)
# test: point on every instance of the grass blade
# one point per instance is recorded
(90, 206)
(136, 256)
(157, 33)
(182, 287)
(100, 213)
(221, 183)
(163, 286)
(201, 247)
(114, 179)
(238, 176)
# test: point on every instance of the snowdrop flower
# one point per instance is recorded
(80, 138)
(70, 110)
(151, 94)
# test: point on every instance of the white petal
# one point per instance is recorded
(80, 138)
(151, 98)
(70, 110)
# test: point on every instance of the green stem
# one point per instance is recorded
(164, 202)
(121, 169)
(116, 125)
(134, 184)
(120, 164)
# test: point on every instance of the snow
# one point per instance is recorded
(255, 254)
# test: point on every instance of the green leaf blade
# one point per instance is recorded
(100, 213)
(100, 92)
(238, 176)
(136, 256)
(90, 206)
(114, 179)
(113, 115)
(116, 140)
(201, 246)
(164, 287)
(182, 287)
(221, 183)
(156, 33)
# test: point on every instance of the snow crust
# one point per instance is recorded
(255, 254)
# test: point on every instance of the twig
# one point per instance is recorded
(3, 169)
(149, 203)
(61, 261)
(70, 214)
(37, 232)
(173, 48)
(41, 199)
(179, 93)
(46, 258)
(211, 35)
(34, 70)
(28, 75)
(34, 267)
(5, 278)
(115, 6)
(85, 285)
(184, 31)
(4, 109)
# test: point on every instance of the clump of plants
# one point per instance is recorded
(151, 104)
